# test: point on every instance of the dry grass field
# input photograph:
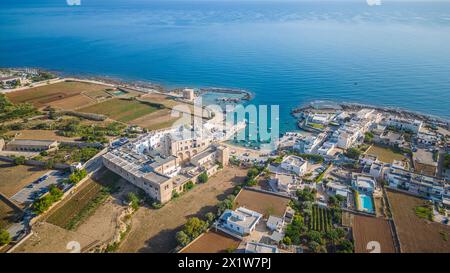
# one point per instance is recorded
(120, 109)
(8, 215)
(416, 234)
(40, 135)
(212, 242)
(265, 203)
(154, 230)
(385, 154)
(73, 102)
(424, 169)
(53, 93)
(13, 178)
(367, 229)
(161, 99)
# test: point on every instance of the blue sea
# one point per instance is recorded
(286, 53)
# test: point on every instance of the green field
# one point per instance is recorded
(120, 109)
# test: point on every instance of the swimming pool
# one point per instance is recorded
(365, 203)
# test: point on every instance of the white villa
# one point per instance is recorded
(242, 221)
(363, 183)
(405, 124)
(294, 164)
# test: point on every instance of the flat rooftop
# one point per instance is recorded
(31, 142)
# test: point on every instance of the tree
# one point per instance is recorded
(210, 217)
(5, 238)
(251, 182)
(333, 201)
(182, 238)
(252, 173)
(345, 246)
(332, 236)
(316, 247)
(77, 176)
(306, 195)
(368, 137)
(202, 178)
(287, 240)
(315, 236)
(189, 185)
(175, 194)
(353, 153)
(194, 227)
(224, 205)
(19, 160)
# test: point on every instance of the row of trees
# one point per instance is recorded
(43, 203)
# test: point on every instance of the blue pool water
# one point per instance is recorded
(285, 53)
(366, 203)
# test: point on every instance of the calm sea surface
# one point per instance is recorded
(286, 53)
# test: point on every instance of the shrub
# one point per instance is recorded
(424, 212)
(19, 160)
(189, 185)
(210, 217)
(182, 238)
(77, 176)
(287, 240)
(133, 199)
(202, 178)
(175, 194)
(5, 238)
(194, 227)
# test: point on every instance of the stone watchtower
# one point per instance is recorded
(223, 155)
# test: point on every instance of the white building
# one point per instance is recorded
(326, 148)
(319, 118)
(286, 183)
(423, 185)
(376, 169)
(337, 189)
(275, 223)
(242, 221)
(412, 125)
(363, 183)
(309, 144)
(253, 247)
(294, 164)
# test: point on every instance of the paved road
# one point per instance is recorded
(34, 190)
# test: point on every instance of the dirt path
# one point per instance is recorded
(154, 230)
